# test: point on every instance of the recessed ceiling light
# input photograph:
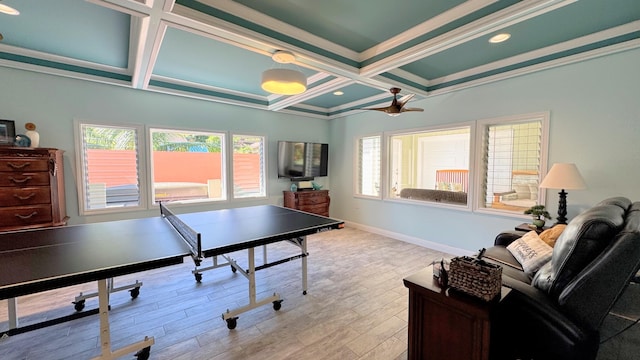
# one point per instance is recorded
(338, 93)
(6, 9)
(499, 38)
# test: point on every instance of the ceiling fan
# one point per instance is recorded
(397, 106)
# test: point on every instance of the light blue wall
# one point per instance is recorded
(53, 102)
(595, 123)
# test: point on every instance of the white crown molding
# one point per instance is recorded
(61, 59)
(509, 16)
(276, 25)
(329, 86)
(609, 50)
(63, 73)
(549, 50)
(453, 14)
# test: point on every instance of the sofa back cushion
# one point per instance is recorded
(584, 238)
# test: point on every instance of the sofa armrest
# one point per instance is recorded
(607, 276)
(528, 324)
(507, 237)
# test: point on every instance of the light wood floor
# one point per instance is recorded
(356, 308)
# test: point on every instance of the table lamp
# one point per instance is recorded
(563, 176)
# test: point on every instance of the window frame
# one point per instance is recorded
(357, 168)
(81, 170)
(482, 124)
(144, 148)
(436, 128)
(224, 158)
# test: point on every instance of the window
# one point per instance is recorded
(248, 166)
(430, 165)
(187, 165)
(368, 168)
(513, 158)
(108, 158)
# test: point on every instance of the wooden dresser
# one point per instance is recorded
(31, 188)
(312, 201)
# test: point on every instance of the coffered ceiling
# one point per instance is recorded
(216, 50)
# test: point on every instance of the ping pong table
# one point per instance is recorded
(33, 261)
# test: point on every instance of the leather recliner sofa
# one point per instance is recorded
(557, 312)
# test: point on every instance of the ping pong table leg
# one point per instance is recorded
(105, 332)
(231, 316)
(12, 304)
(303, 246)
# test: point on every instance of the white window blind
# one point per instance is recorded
(248, 166)
(369, 166)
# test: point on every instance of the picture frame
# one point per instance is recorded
(7, 132)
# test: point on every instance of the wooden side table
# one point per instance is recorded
(444, 324)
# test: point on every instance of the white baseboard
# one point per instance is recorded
(412, 240)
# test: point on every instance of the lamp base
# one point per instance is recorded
(562, 208)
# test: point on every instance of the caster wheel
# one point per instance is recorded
(198, 277)
(78, 305)
(135, 292)
(232, 323)
(143, 354)
(277, 305)
(233, 270)
(304, 292)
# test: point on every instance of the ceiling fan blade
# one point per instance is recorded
(405, 99)
(385, 109)
(397, 105)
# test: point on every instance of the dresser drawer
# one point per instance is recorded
(20, 179)
(312, 198)
(22, 165)
(321, 209)
(25, 215)
(24, 196)
(312, 201)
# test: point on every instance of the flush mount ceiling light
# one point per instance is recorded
(499, 38)
(284, 81)
(6, 9)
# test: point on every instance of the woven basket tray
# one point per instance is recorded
(475, 277)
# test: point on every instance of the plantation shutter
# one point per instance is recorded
(369, 166)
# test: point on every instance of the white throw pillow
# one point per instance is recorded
(531, 252)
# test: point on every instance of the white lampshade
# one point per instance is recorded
(284, 81)
(563, 176)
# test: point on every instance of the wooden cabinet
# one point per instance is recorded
(312, 201)
(444, 324)
(31, 188)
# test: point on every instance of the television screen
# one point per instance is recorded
(300, 160)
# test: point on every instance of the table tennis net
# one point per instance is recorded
(190, 236)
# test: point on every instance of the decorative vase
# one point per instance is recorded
(293, 187)
(32, 134)
(539, 223)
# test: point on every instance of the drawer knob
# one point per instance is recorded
(24, 197)
(18, 166)
(20, 181)
(26, 217)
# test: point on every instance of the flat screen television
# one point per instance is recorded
(302, 160)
